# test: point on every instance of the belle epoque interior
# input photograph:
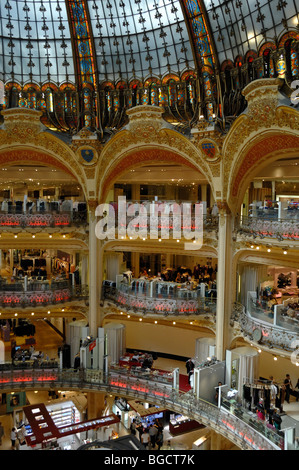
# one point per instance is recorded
(154, 101)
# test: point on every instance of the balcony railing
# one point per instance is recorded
(42, 220)
(40, 293)
(270, 336)
(281, 229)
(237, 429)
(182, 302)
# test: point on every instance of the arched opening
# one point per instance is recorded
(266, 150)
(41, 204)
(267, 269)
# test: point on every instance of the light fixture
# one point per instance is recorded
(257, 247)
(285, 252)
(269, 250)
(50, 236)
(156, 322)
(275, 358)
(173, 322)
(128, 316)
(251, 246)
(33, 236)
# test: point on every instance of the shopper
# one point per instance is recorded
(133, 427)
(153, 431)
(288, 386)
(140, 430)
(277, 420)
(159, 439)
(145, 438)
(13, 437)
(189, 365)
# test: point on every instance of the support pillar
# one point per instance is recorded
(95, 405)
(95, 267)
(135, 262)
(224, 280)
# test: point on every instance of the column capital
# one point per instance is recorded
(223, 207)
(92, 204)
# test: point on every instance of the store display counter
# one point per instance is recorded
(181, 424)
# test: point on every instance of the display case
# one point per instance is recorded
(179, 424)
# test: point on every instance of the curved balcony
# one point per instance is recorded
(42, 219)
(264, 333)
(235, 426)
(40, 293)
(161, 298)
(281, 229)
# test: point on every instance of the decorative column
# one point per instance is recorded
(96, 404)
(224, 279)
(94, 278)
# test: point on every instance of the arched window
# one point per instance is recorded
(49, 100)
(154, 98)
(291, 55)
(268, 64)
(172, 93)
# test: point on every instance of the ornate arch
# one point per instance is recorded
(147, 138)
(265, 132)
(23, 138)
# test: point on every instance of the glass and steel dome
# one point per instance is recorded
(83, 62)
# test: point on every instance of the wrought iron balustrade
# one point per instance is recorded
(170, 305)
(42, 220)
(271, 336)
(236, 428)
(40, 294)
(282, 229)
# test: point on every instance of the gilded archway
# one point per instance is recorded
(23, 138)
(147, 138)
(265, 132)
